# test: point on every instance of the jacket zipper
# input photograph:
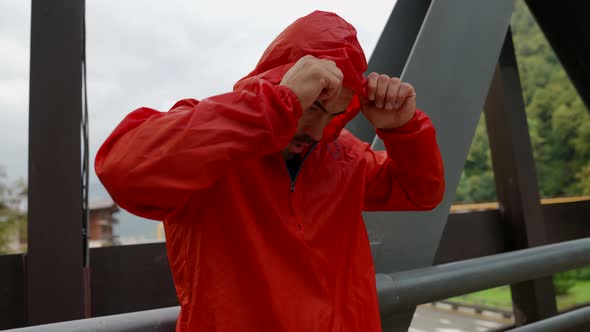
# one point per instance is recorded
(299, 169)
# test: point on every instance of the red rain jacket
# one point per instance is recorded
(250, 249)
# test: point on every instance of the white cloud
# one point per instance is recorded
(15, 59)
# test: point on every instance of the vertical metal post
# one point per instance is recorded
(55, 282)
(516, 182)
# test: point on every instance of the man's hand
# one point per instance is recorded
(314, 79)
(391, 103)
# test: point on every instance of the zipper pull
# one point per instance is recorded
(292, 186)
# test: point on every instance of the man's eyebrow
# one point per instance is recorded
(321, 107)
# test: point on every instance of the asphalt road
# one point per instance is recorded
(428, 319)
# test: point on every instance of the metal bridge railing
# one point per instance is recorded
(157, 320)
(405, 290)
(562, 322)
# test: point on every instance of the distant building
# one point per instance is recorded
(101, 223)
(100, 227)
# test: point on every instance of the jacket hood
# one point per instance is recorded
(323, 35)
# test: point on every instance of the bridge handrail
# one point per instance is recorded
(403, 290)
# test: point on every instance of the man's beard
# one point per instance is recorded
(301, 140)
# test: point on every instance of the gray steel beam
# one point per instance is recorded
(55, 287)
(451, 66)
(389, 57)
(392, 50)
(407, 289)
(516, 182)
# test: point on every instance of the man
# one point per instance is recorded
(261, 190)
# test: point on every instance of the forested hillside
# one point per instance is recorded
(559, 123)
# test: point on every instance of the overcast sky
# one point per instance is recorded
(152, 53)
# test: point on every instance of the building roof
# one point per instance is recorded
(102, 204)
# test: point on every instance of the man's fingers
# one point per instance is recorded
(405, 91)
(392, 94)
(312, 79)
(332, 88)
(394, 102)
(332, 81)
(372, 85)
(381, 91)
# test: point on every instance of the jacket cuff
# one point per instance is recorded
(414, 125)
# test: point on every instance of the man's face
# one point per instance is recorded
(313, 120)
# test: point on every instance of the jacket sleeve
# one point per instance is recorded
(154, 161)
(409, 175)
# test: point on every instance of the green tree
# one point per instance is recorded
(477, 180)
(564, 281)
(13, 220)
(559, 128)
(558, 120)
(583, 178)
(559, 123)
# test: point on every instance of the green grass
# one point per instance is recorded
(579, 294)
(500, 297)
(494, 297)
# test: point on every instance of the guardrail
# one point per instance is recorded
(407, 289)
(404, 290)
(157, 320)
(562, 322)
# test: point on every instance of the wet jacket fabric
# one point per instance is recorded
(250, 248)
